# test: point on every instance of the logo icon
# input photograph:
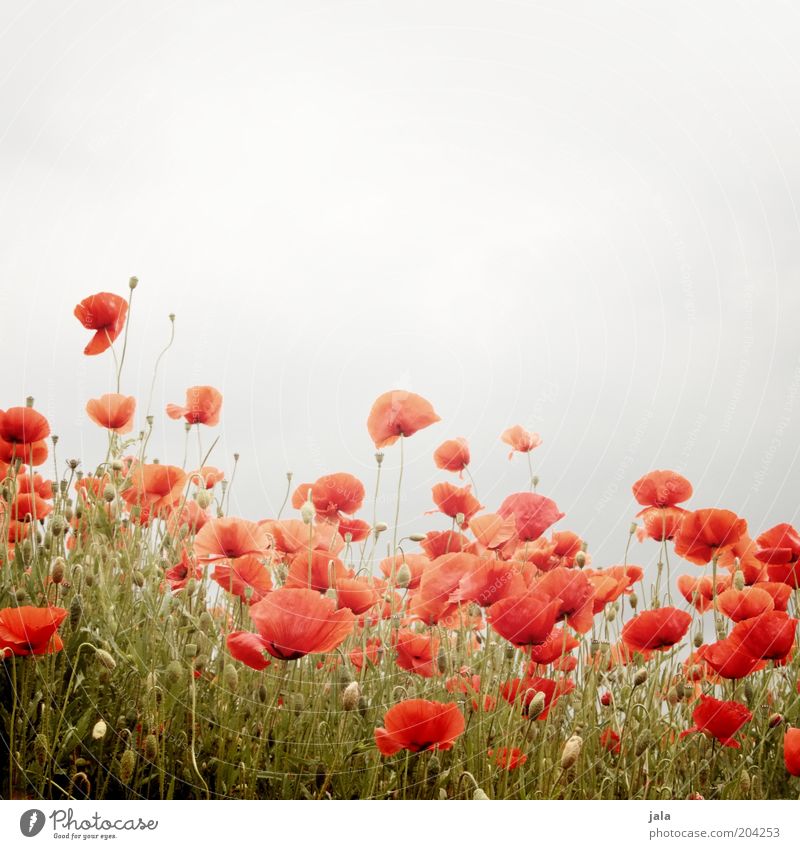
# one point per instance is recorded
(31, 822)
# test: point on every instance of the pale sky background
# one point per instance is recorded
(581, 217)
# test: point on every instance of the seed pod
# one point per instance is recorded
(99, 730)
(441, 661)
(230, 677)
(75, 611)
(571, 752)
(151, 747)
(127, 764)
(57, 570)
(350, 696)
(105, 659)
(640, 677)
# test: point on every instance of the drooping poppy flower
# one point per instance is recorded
(660, 523)
(418, 725)
(524, 620)
(297, 622)
(154, 486)
(779, 548)
(206, 477)
(769, 636)
(454, 501)
(719, 719)
(658, 629)
(318, 571)
(356, 594)
(248, 648)
(30, 630)
(730, 659)
(230, 537)
(520, 440)
(744, 603)
(507, 758)
(398, 413)
(357, 529)
(575, 595)
(703, 533)
(791, 751)
(104, 313)
(338, 493)
(245, 577)
(203, 405)
(452, 455)
(533, 514)
(610, 740)
(662, 488)
(524, 690)
(417, 653)
(112, 411)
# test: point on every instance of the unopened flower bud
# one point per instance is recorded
(640, 677)
(537, 705)
(610, 613)
(151, 747)
(174, 672)
(105, 659)
(351, 695)
(99, 730)
(127, 764)
(738, 580)
(57, 570)
(138, 578)
(203, 498)
(416, 537)
(775, 720)
(479, 795)
(230, 677)
(307, 512)
(697, 640)
(380, 527)
(571, 752)
(403, 578)
(633, 601)
(580, 559)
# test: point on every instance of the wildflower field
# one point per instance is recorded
(154, 646)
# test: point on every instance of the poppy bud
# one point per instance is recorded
(203, 498)
(138, 578)
(151, 747)
(230, 677)
(697, 640)
(441, 661)
(633, 601)
(127, 764)
(57, 570)
(643, 743)
(722, 631)
(307, 512)
(459, 519)
(640, 677)
(133, 283)
(745, 783)
(535, 481)
(75, 610)
(416, 537)
(580, 559)
(632, 529)
(606, 699)
(105, 659)
(537, 705)
(262, 693)
(117, 465)
(351, 695)
(479, 795)
(680, 690)
(40, 749)
(672, 696)
(297, 702)
(610, 613)
(99, 730)
(434, 766)
(191, 586)
(403, 578)
(380, 527)
(363, 704)
(174, 672)
(738, 580)
(775, 720)
(571, 752)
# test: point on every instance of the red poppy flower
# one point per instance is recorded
(533, 514)
(356, 528)
(398, 413)
(206, 477)
(30, 630)
(699, 592)
(22, 426)
(744, 603)
(295, 622)
(230, 537)
(660, 523)
(769, 636)
(337, 493)
(524, 690)
(779, 548)
(104, 313)
(558, 643)
(245, 577)
(575, 594)
(319, 571)
(489, 581)
(301, 495)
(370, 652)
(452, 455)
(524, 620)
(453, 500)
(560, 550)
(417, 653)
(418, 725)
(154, 486)
(658, 629)
(791, 751)
(704, 533)
(437, 543)
(520, 440)
(203, 404)
(662, 488)
(730, 659)
(611, 583)
(33, 453)
(112, 411)
(779, 591)
(492, 530)
(610, 740)
(190, 516)
(248, 648)
(179, 575)
(29, 507)
(432, 600)
(741, 557)
(507, 758)
(719, 719)
(356, 594)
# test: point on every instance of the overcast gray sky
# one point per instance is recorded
(581, 217)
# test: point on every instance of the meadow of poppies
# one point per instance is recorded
(154, 646)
